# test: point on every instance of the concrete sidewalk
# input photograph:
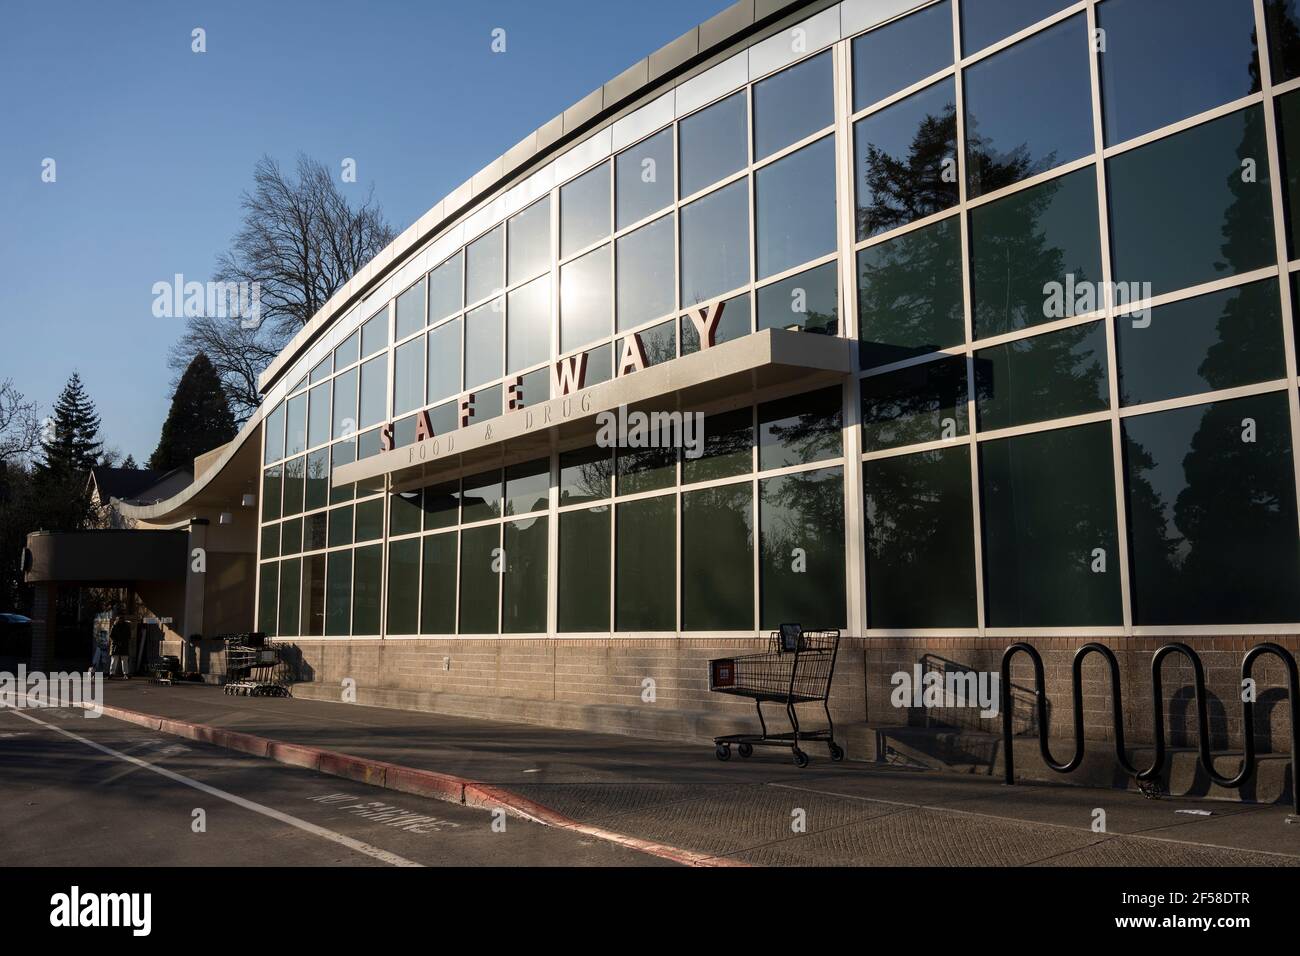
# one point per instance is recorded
(678, 798)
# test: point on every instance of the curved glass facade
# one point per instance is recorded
(1056, 241)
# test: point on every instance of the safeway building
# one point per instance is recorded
(988, 309)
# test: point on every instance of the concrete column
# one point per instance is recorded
(192, 620)
(44, 624)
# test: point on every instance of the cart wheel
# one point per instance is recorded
(746, 750)
(837, 753)
(722, 751)
(800, 758)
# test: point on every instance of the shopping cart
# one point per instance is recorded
(254, 666)
(797, 669)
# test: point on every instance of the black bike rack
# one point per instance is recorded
(1248, 766)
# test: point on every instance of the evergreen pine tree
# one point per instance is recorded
(71, 443)
(199, 418)
(130, 463)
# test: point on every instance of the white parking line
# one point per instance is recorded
(365, 848)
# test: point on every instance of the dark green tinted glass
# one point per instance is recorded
(915, 405)
(728, 440)
(1028, 108)
(481, 497)
(370, 519)
(268, 590)
(920, 544)
(1212, 514)
(807, 302)
(646, 469)
(438, 585)
(313, 596)
(528, 487)
(718, 559)
(905, 160)
(893, 57)
(1215, 341)
(985, 22)
(584, 570)
(479, 579)
(313, 531)
(272, 486)
(800, 429)
(342, 453)
(1047, 376)
(801, 534)
(291, 536)
(271, 541)
(441, 505)
(523, 601)
(1288, 131)
(294, 476)
(585, 474)
(1177, 58)
(338, 594)
(403, 586)
(910, 299)
(1049, 529)
(1162, 238)
(1283, 18)
(1024, 248)
(367, 578)
(646, 549)
(404, 512)
(340, 526)
(290, 581)
(318, 480)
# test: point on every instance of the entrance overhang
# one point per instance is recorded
(105, 558)
(767, 359)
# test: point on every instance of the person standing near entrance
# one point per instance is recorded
(119, 646)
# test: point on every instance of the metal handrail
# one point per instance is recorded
(1249, 762)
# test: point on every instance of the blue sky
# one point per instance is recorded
(154, 143)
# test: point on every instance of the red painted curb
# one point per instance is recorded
(421, 783)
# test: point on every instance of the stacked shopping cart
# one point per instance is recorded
(254, 666)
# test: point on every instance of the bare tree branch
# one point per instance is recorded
(20, 426)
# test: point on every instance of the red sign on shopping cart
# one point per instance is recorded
(722, 673)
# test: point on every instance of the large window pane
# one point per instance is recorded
(915, 405)
(920, 552)
(348, 351)
(793, 104)
(479, 579)
(985, 22)
(1166, 60)
(408, 376)
(438, 585)
(1162, 237)
(410, 310)
(1029, 108)
(366, 589)
(405, 512)
(717, 558)
(585, 475)
(1215, 341)
(714, 143)
(528, 487)
(734, 323)
(800, 429)
(295, 432)
(318, 418)
(530, 242)
(345, 404)
(523, 601)
(445, 288)
(645, 565)
(1212, 514)
(728, 443)
(1048, 376)
(1288, 119)
(715, 243)
(910, 298)
(481, 497)
(644, 178)
(584, 570)
(893, 57)
(342, 453)
(807, 302)
(294, 478)
(794, 208)
(802, 539)
(374, 334)
(272, 488)
(340, 526)
(338, 594)
(444, 361)
(441, 505)
(290, 582)
(1050, 556)
(370, 519)
(403, 586)
(905, 160)
(1283, 19)
(528, 318)
(274, 435)
(483, 343)
(268, 593)
(586, 300)
(647, 469)
(1030, 243)
(484, 268)
(316, 493)
(374, 392)
(585, 213)
(646, 272)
